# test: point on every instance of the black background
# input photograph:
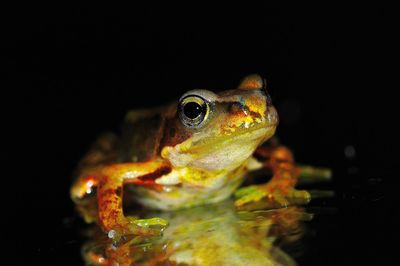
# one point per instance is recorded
(72, 73)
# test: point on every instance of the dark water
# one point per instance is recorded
(346, 229)
(73, 73)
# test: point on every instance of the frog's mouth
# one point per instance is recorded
(260, 130)
(240, 144)
(245, 135)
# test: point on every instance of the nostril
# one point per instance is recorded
(238, 107)
(234, 107)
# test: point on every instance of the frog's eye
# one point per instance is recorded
(193, 111)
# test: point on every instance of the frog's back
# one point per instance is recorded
(141, 135)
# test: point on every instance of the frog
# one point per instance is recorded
(196, 151)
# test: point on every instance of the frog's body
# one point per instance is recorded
(207, 163)
(191, 153)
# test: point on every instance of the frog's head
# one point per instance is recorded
(216, 131)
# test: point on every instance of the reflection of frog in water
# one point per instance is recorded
(215, 234)
(195, 152)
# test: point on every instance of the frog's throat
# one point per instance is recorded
(197, 142)
(210, 154)
(255, 135)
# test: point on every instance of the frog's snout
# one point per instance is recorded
(272, 116)
(271, 112)
(267, 96)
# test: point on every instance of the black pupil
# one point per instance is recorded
(192, 110)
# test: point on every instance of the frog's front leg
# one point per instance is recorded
(109, 180)
(279, 191)
(110, 189)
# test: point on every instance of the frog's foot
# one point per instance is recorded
(138, 227)
(310, 174)
(269, 197)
